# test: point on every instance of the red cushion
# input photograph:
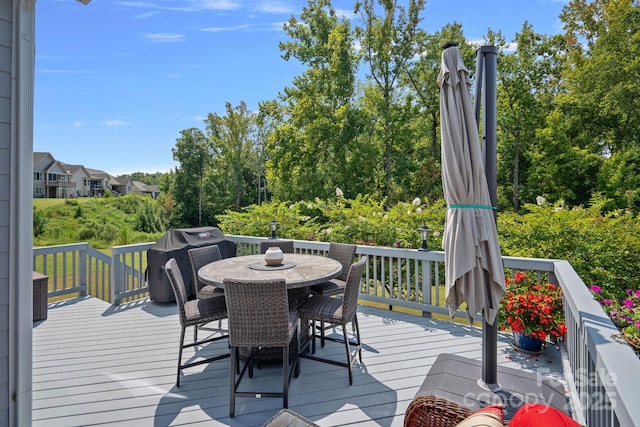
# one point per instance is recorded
(536, 414)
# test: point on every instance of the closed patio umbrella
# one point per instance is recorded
(473, 263)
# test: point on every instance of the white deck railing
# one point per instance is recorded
(602, 373)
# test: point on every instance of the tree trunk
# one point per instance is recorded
(516, 173)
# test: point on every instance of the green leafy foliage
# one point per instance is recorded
(102, 222)
(39, 222)
(360, 220)
(603, 248)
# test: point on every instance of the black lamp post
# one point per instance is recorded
(274, 225)
(424, 234)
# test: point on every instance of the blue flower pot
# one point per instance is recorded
(527, 342)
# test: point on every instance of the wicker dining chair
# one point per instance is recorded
(344, 253)
(337, 311)
(199, 257)
(194, 313)
(260, 317)
(285, 245)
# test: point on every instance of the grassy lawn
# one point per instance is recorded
(42, 203)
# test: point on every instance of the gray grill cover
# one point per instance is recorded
(175, 244)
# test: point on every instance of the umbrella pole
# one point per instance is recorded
(486, 77)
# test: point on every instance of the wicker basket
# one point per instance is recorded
(433, 411)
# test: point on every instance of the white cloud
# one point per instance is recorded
(184, 6)
(223, 29)
(218, 5)
(147, 14)
(116, 123)
(271, 26)
(164, 37)
(273, 7)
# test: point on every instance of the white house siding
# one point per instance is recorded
(17, 56)
(82, 180)
(40, 167)
(5, 185)
(59, 182)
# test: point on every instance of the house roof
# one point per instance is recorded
(38, 156)
(97, 174)
(74, 168)
(122, 181)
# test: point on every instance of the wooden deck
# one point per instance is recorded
(96, 364)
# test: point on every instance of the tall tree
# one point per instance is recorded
(193, 153)
(603, 88)
(389, 42)
(231, 138)
(528, 81)
(313, 147)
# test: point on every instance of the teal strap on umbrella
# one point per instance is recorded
(472, 207)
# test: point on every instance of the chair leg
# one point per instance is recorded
(232, 381)
(356, 328)
(180, 356)
(346, 345)
(296, 359)
(285, 376)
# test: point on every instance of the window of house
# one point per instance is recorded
(37, 176)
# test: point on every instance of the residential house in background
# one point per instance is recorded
(98, 182)
(143, 189)
(55, 179)
(121, 186)
(80, 176)
(51, 178)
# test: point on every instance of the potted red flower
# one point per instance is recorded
(532, 311)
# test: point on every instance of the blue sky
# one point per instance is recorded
(116, 81)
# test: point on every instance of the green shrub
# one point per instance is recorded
(604, 249)
(360, 220)
(39, 222)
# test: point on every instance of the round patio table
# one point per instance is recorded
(298, 270)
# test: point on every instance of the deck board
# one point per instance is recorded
(94, 364)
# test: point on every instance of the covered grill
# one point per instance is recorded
(175, 244)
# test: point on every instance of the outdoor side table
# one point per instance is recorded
(40, 295)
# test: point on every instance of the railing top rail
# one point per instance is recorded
(610, 355)
(60, 248)
(116, 250)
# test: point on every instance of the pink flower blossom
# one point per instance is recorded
(596, 289)
(627, 303)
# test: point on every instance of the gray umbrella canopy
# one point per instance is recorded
(473, 264)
